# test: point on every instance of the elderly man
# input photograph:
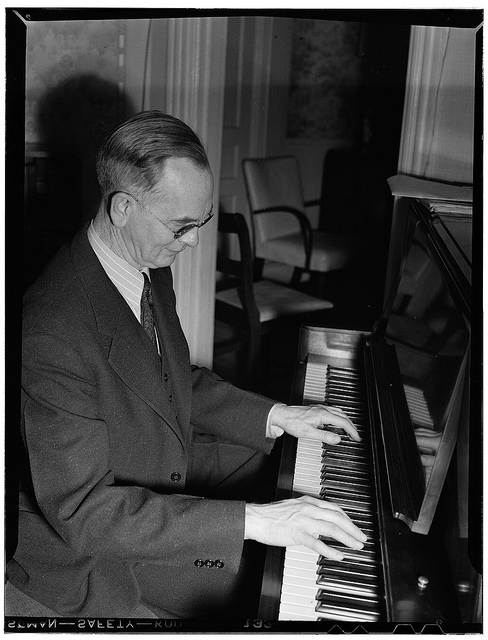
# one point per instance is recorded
(140, 466)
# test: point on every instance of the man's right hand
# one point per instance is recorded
(300, 521)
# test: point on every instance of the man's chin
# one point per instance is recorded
(165, 261)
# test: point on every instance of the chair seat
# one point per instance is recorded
(274, 301)
(330, 252)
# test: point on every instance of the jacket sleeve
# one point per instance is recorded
(75, 484)
(221, 409)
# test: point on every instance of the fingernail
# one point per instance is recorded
(335, 439)
(363, 536)
(358, 544)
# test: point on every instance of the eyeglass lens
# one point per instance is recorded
(181, 232)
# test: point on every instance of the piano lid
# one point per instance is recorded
(428, 326)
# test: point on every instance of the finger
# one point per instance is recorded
(343, 529)
(332, 533)
(321, 548)
(324, 504)
(328, 552)
(328, 434)
(330, 517)
(338, 418)
(321, 435)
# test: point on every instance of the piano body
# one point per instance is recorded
(414, 482)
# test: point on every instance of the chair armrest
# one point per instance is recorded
(305, 227)
(313, 203)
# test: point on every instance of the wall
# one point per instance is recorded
(324, 81)
(313, 94)
(74, 89)
(438, 128)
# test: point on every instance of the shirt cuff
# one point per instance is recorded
(273, 431)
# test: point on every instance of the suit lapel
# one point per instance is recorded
(129, 351)
(173, 342)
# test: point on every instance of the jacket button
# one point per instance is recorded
(176, 477)
(166, 377)
(170, 397)
(198, 563)
(209, 563)
(219, 564)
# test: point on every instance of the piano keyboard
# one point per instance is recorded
(313, 587)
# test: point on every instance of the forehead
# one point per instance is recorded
(186, 191)
(183, 176)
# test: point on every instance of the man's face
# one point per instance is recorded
(186, 194)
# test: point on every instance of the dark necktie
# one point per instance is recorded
(147, 319)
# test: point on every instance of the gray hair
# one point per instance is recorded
(134, 153)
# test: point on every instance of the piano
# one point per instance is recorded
(413, 482)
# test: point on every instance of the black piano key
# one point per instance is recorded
(360, 558)
(352, 458)
(369, 550)
(362, 475)
(359, 503)
(350, 463)
(346, 446)
(365, 557)
(343, 485)
(340, 615)
(344, 383)
(343, 371)
(348, 586)
(360, 573)
(344, 401)
(348, 601)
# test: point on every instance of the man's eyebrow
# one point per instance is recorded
(187, 220)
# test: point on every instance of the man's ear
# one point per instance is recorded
(121, 206)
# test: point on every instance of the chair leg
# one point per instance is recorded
(258, 267)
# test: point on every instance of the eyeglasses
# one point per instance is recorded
(181, 232)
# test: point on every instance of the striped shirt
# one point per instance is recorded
(128, 280)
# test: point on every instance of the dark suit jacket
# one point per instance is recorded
(108, 430)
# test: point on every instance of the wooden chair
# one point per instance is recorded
(251, 307)
(281, 229)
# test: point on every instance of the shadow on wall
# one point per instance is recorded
(75, 116)
(61, 190)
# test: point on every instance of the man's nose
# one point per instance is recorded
(191, 238)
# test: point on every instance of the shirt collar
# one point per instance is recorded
(127, 279)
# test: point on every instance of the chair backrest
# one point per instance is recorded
(273, 182)
(240, 269)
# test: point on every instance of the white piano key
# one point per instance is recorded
(299, 571)
(292, 611)
(299, 585)
(300, 550)
(306, 598)
(308, 568)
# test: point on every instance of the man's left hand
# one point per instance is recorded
(312, 422)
